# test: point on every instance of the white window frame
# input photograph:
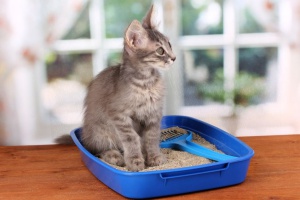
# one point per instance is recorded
(230, 41)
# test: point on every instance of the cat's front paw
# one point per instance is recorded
(156, 160)
(135, 164)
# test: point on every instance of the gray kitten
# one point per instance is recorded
(124, 103)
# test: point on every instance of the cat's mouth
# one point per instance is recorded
(169, 63)
(164, 65)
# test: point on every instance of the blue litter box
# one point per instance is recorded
(158, 183)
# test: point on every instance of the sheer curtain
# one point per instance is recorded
(27, 29)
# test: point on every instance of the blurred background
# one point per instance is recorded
(237, 66)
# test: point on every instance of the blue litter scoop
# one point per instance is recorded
(181, 139)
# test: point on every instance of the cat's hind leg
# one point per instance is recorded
(109, 148)
(103, 142)
(113, 157)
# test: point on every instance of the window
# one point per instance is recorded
(217, 41)
(230, 45)
(229, 37)
(94, 42)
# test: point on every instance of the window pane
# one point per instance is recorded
(81, 27)
(256, 16)
(68, 76)
(258, 69)
(202, 17)
(114, 58)
(202, 68)
(118, 15)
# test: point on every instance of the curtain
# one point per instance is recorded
(27, 29)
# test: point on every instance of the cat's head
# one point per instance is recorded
(146, 46)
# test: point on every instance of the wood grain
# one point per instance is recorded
(56, 172)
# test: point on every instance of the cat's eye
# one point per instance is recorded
(160, 51)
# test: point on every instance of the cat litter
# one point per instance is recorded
(179, 159)
(183, 179)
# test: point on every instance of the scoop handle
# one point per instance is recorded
(204, 152)
(193, 148)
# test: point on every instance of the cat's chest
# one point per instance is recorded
(147, 101)
(149, 96)
(150, 90)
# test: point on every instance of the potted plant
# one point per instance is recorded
(246, 91)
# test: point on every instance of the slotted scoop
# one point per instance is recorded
(181, 139)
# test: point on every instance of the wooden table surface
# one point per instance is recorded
(57, 172)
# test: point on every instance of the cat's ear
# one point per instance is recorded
(136, 37)
(150, 21)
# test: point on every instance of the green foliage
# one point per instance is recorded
(50, 58)
(81, 27)
(250, 25)
(189, 17)
(118, 15)
(212, 58)
(213, 90)
(114, 58)
(255, 60)
(247, 87)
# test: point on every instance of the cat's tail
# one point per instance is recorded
(64, 139)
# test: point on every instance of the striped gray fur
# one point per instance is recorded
(124, 103)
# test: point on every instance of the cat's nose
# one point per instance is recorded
(173, 59)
